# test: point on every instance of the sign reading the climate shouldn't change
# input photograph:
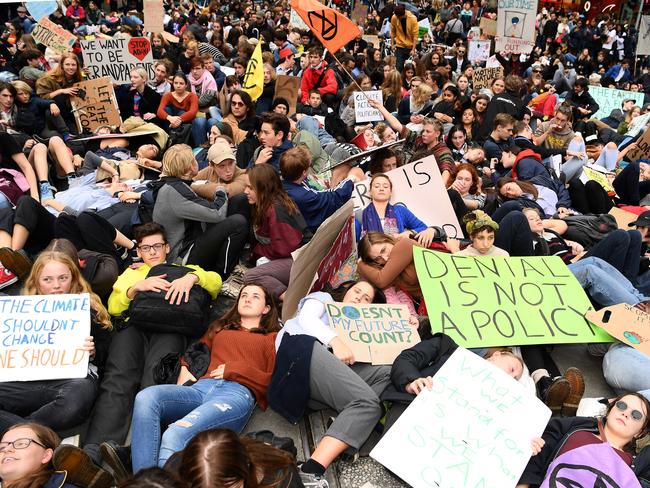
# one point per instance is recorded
(486, 301)
(117, 57)
(375, 333)
(41, 337)
(473, 429)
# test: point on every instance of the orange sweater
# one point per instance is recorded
(249, 358)
(190, 104)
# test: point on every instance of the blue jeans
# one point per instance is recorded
(186, 411)
(626, 369)
(310, 124)
(401, 55)
(604, 282)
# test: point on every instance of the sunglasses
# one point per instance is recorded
(635, 414)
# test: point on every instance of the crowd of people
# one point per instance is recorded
(199, 200)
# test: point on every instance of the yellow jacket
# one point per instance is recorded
(119, 302)
(400, 38)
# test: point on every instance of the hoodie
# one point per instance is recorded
(528, 164)
(275, 158)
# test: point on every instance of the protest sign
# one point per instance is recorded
(375, 333)
(643, 44)
(473, 429)
(169, 37)
(608, 99)
(42, 337)
(598, 177)
(117, 57)
(307, 259)
(359, 13)
(623, 217)
(288, 87)
(296, 21)
(424, 27)
(419, 186)
(516, 26)
(625, 322)
(372, 40)
(488, 27)
(485, 301)
(39, 8)
(363, 112)
(333, 263)
(483, 78)
(642, 149)
(479, 50)
(53, 36)
(638, 125)
(154, 15)
(98, 107)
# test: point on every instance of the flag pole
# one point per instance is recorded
(350, 75)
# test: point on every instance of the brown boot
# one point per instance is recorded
(553, 392)
(577, 381)
(80, 468)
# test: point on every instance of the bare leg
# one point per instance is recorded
(19, 237)
(122, 240)
(61, 154)
(38, 159)
(328, 450)
(28, 171)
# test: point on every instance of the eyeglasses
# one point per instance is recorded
(19, 444)
(635, 414)
(156, 247)
(237, 104)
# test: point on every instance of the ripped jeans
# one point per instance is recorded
(184, 411)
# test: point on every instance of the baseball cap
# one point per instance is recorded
(219, 152)
(285, 53)
(642, 221)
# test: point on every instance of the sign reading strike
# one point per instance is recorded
(117, 57)
(485, 301)
(98, 108)
(473, 429)
(609, 99)
(516, 26)
(375, 333)
(42, 337)
(363, 112)
(53, 36)
(419, 186)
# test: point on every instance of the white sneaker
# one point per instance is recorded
(591, 407)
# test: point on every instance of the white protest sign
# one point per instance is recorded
(53, 36)
(41, 8)
(609, 98)
(643, 44)
(296, 21)
(154, 15)
(363, 112)
(419, 186)
(424, 27)
(479, 50)
(42, 337)
(516, 26)
(376, 333)
(473, 429)
(117, 57)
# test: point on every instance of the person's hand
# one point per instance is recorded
(89, 346)
(29, 143)
(583, 110)
(402, 235)
(536, 444)
(73, 90)
(155, 283)
(576, 247)
(179, 289)
(374, 103)
(453, 245)
(417, 119)
(342, 351)
(175, 122)
(217, 373)
(416, 386)
(264, 156)
(458, 186)
(86, 71)
(184, 376)
(129, 196)
(425, 238)
(488, 171)
(48, 203)
(149, 116)
(563, 212)
(54, 110)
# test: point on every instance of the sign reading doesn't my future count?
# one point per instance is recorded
(117, 57)
(41, 337)
(375, 333)
(485, 301)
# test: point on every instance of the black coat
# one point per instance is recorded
(503, 103)
(149, 102)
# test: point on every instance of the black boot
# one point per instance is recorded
(118, 458)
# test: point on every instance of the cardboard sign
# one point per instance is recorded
(598, 177)
(98, 107)
(488, 27)
(53, 36)
(473, 429)
(486, 301)
(483, 78)
(375, 333)
(643, 44)
(642, 149)
(332, 263)
(288, 87)
(419, 186)
(625, 322)
(623, 217)
(154, 15)
(424, 27)
(363, 112)
(307, 259)
(42, 337)
(608, 99)
(479, 50)
(516, 26)
(117, 57)
(372, 40)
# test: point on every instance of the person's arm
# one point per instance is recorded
(164, 101)
(329, 84)
(210, 281)
(119, 301)
(410, 362)
(311, 324)
(592, 106)
(409, 219)
(188, 205)
(400, 257)
(395, 124)
(413, 32)
(192, 104)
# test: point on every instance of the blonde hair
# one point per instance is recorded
(78, 285)
(177, 160)
(271, 69)
(142, 73)
(421, 94)
(21, 86)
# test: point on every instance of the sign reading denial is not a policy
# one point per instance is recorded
(41, 337)
(485, 301)
(117, 57)
(375, 333)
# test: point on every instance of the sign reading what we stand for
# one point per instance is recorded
(42, 337)
(486, 301)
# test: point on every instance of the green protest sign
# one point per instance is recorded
(375, 333)
(485, 301)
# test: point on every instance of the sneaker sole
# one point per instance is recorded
(577, 383)
(15, 262)
(8, 282)
(114, 462)
(81, 469)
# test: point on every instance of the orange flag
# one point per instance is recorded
(332, 28)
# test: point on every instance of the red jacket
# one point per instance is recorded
(310, 77)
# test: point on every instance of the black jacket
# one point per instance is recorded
(503, 103)
(149, 102)
(582, 100)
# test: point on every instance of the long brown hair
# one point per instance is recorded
(231, 320)
(264, 180)
(524, 185)
(220, 458)
(50, 440)
(58, 74)
(368, 241)
(392, 85)
(79, 283)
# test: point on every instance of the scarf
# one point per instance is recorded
(204, 83)
(372, 223)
